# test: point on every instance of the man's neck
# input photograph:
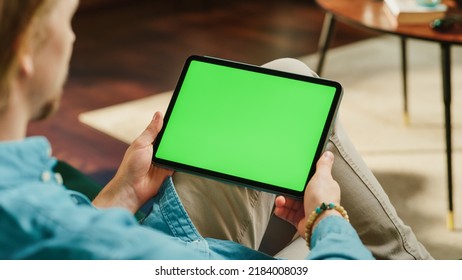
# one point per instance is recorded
(14, 120)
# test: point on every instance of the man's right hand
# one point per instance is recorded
(321, 188)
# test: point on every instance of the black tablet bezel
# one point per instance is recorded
(234, 179)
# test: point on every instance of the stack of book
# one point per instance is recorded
(410, 12)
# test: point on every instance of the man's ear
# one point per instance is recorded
(26, 64)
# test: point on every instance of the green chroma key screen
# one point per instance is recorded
(247, 125)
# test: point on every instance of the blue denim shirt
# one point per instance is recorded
(41, 219)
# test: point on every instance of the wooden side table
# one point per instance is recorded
(371, 15)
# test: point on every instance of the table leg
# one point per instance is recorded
(446, 71)
(327, 31)
(404, 77)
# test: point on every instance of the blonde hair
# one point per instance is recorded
(16, 21)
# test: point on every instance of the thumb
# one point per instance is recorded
(325, 163)
(152, 130)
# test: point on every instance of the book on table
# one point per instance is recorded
(410, 12)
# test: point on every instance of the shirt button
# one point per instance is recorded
(59, 178)
(46, 176)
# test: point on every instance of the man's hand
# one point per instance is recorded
(321, 188)
(137, 179)
(290, 210)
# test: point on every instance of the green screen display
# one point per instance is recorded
(257, 126)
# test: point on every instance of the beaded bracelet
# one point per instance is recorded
(318, 211)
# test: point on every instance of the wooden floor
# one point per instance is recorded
(137, 48)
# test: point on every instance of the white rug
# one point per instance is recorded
(409, 161)
(126, 121)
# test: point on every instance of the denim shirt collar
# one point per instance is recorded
(26, 160)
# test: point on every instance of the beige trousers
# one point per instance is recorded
(229, 212)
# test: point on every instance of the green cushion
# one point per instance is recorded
(75, 180)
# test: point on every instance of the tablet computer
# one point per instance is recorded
(248, 125)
